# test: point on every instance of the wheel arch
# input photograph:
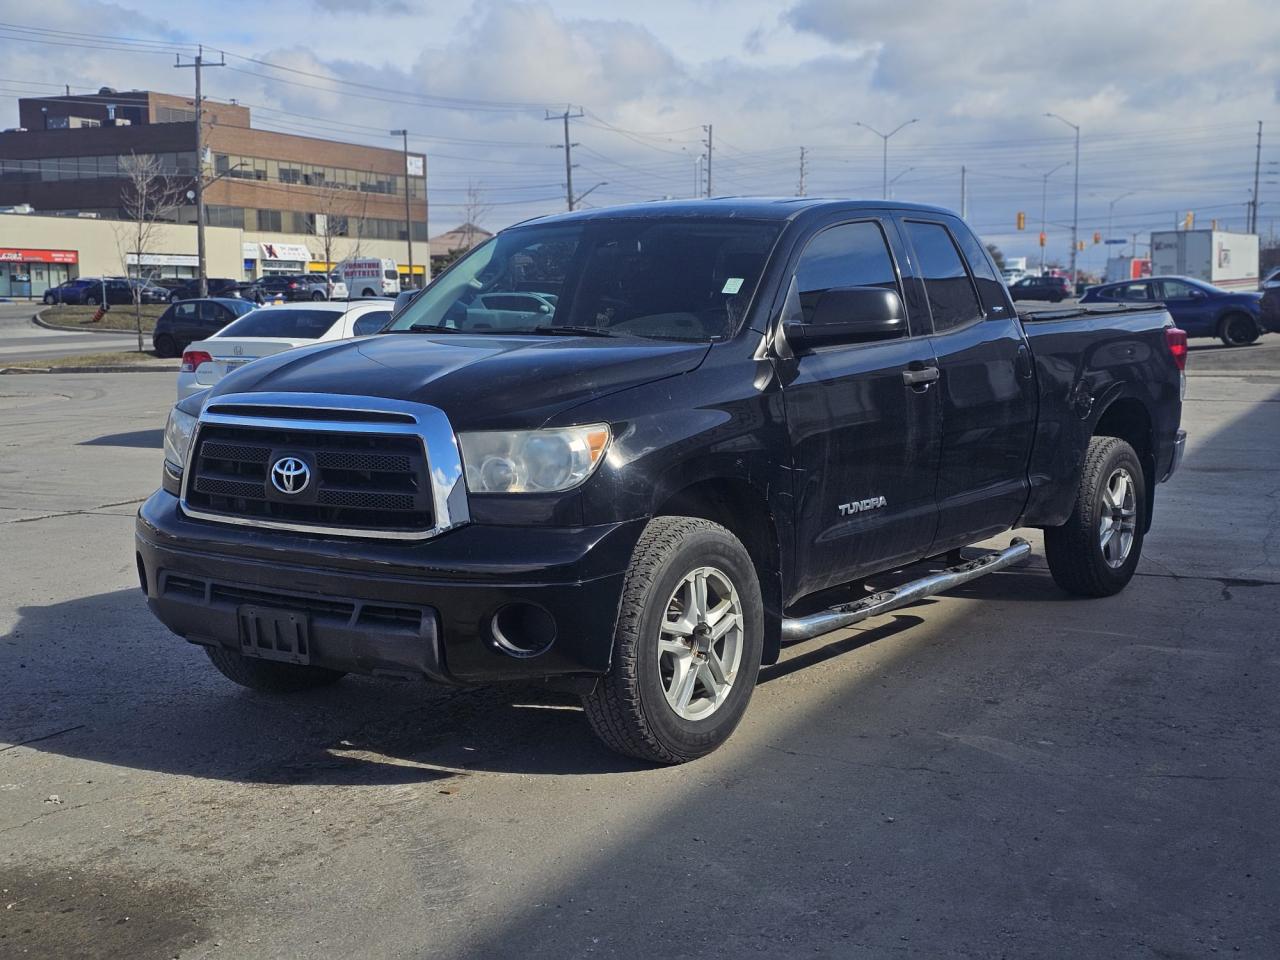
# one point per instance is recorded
(743, 509)
(1127, 418)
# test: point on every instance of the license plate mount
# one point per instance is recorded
(273, 634)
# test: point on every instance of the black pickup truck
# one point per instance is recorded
(622, 450)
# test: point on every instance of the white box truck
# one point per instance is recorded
(370, 276)
(1228, 260)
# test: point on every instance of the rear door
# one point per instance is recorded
(864, 441)
(185, 319)
(987, 388)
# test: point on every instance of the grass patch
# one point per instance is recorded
(121, 358)
(119, 317)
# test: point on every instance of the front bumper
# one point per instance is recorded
(391, 608)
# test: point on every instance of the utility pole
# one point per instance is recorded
(198, 65)
(964, 199)
(1257, 173)
(800, 186)
(884, 178)
(408, 217)
(1075, 206)
(707, 144)
(568, 149)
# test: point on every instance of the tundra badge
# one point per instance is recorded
(858, 506)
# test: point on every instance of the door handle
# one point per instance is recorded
(921, 377)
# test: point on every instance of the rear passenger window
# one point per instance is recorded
(849, 255)
(370, 323)
(990, 289)
(952, 299)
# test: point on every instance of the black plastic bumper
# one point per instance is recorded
(400, 609)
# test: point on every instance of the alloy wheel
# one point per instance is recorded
(1119, 518)
(700, 643)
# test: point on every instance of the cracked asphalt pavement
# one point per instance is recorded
(999, 772)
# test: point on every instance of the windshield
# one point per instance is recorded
(669, 278)
(295, 324)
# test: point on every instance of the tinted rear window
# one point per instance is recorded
(267, 322)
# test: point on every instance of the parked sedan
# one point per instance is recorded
(268, 330)
(1055, 289)
(70, 291)
(1199, 308)
(190, 320)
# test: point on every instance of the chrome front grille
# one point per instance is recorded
(376, 468)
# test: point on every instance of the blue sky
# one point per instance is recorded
(1167, 94)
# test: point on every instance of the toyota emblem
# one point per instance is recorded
(290, 475)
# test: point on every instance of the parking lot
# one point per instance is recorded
(1002, 771)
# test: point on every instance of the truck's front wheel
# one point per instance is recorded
(1095, 553)
(687, 645)
(267, 676)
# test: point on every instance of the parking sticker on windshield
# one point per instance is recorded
(732, 285)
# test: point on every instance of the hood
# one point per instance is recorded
(481, 382)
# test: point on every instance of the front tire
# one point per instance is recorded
(1238, 330)
(1095, 553)
(267, 676)
(687, 646)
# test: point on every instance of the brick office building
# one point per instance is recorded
(284, 192)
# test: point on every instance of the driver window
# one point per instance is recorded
(848, 255)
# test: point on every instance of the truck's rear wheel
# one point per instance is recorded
(1238, 330)
(1095, 553)
(268, 676)
(687, 645)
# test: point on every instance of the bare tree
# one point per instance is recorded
(150, 198)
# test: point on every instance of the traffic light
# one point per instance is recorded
(1189, 220)
(1022, 220)
(1097, 238)
(1213, 224)
(1042, 238)
(1080, 245)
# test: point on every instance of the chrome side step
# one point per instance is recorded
(845, 615)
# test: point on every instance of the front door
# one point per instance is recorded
(864, 441)
(987, 389)
(1190, 307)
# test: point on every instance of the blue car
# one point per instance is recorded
(1199, 308)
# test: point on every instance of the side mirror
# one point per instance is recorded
(850, 315)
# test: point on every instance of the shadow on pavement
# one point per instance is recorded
(137, 438)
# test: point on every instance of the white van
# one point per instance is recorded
(370, 276)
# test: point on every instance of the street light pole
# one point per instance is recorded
(900, 175)
(408, 217)
(1044, 203)
(197, 65)
(884, 137)
(1111, 209)
(1075, 207)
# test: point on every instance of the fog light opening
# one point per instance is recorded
(142, 572)
(523, 630)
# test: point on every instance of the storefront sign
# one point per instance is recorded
(416, 166)
(285, 251)
(19, 255)
(249, 251)
(164, 260)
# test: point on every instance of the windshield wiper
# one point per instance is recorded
(570, 331)
(426, 328)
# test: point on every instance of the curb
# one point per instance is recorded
(132, 368)
(39, 321)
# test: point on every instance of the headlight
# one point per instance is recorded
(532, 461)
(177, 438)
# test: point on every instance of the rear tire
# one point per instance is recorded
(165, 346)
(677, 688)
(267, 676)
(91, 300)
(317, 295)
(1238, 330)
(1095, 553)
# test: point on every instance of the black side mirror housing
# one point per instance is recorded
(850, 315)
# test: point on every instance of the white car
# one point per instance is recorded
(274, 329)
(320, 287)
